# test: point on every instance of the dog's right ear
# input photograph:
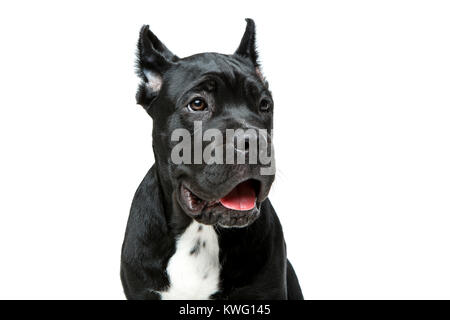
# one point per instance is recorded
(153, 59)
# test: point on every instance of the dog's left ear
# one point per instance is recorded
(153, 60)
(247, 47)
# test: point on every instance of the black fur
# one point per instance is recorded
(252, 257)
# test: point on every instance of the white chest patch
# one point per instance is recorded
(194, 269)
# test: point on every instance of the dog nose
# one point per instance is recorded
(246, 147)
(243, 145)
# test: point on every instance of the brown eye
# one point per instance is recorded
(197, 104)
(265, 105)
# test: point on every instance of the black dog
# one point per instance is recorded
(204, 231)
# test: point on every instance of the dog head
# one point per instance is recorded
(210, 110)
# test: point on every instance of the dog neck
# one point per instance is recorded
(177, 220)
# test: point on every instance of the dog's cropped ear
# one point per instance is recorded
(247, 47)
(153, 59)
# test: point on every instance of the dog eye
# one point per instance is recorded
(265, 105)
(197, 104)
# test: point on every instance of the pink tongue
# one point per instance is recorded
(241, 198)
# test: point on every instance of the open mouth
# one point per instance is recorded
(241, 198)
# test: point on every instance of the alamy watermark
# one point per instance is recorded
(239, 146)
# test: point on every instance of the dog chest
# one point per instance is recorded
(194, 269)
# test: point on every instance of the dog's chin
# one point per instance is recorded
(220, 211)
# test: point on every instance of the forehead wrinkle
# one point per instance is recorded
(251, 84)
(227, 71)
(243, 75)
(201, 67)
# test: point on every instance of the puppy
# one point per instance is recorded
(201, 225)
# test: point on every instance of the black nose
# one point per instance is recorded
(242, 144)
(246, 146)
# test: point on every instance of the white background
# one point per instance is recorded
(362, 116)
